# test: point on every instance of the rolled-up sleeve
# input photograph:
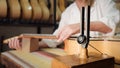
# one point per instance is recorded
(110, 14)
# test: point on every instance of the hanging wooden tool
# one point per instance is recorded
(36, 10)
(3, 8)
(26, 9)
(14, 9)
(45, 10)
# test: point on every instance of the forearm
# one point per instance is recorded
(95, 26)
(100, 27)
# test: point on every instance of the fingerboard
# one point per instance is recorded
(39, 36)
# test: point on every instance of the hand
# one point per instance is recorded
(67, 31)
(15, 43)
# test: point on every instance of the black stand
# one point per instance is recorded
(84, 39)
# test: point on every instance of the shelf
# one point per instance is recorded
(18, 22)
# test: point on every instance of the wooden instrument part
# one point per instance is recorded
(3, 8)
(30, 41)
(108, 47)
(36, 10)
(45, 10)
(26, 9)
(14, 8)
(37, 36)
(61, 5)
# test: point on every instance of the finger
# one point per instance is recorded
(11, 45)
(16, 43)
(19, 44)
(59, 32)
(62, 35)
(66, 37)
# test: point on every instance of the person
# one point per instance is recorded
(104, 17)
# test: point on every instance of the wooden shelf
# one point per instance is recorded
(18, 22)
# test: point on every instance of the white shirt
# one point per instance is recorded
(102, 10)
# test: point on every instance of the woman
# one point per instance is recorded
(104, 17)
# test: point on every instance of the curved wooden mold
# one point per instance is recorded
(45, 10)
(36, 10)
(61, 4)
(14, 8)
(3, 8)
(26, 9)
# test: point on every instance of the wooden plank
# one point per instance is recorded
(37, 36)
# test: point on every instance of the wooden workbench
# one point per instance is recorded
(31, 57)
(39, 59)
